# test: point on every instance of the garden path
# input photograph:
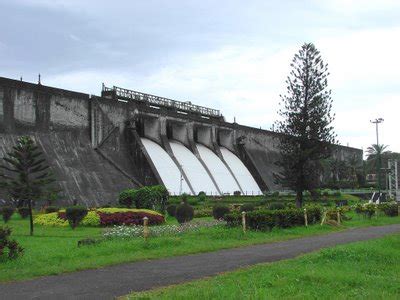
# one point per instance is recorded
(118, 280)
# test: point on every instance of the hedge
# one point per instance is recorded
(103, 217)
(267, 219)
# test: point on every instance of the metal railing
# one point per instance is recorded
(125, 94)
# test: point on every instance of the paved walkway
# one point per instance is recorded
(109, 282)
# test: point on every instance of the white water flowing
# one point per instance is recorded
(218, 170)
(167, 169)
(194, 170)
(246, 180)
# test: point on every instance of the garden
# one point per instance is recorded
(147, 224)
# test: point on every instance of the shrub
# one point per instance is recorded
(91, 219)
(201, 194)
(390, 209)
(219, 211)
(233, 219)
(171, 209)
(367, 210)
(201, 213)
(129, 218)
(8, 248)
(276, 205)
(7, 212)
(184, 197)
(337, 194)
(202, 197)
(315, 194)
(247, 207)
(75, 214)
(237, 193)
(127, 197)
(314, 214)
(261, 220)
(23, 212)
(50, 219)
(192, 201)
(51, 209)
(184, 213)
(275, 194)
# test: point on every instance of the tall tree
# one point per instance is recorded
(306, 122)
(26, 174)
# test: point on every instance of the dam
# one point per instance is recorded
(100, 145)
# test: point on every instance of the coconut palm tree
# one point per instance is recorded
(376, 150)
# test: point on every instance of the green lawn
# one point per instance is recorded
(53, 250)
(364, 270)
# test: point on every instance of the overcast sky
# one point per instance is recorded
(229, 55)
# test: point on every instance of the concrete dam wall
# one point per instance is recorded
(99, 145)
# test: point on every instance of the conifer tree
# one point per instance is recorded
(25, 174)
(306, 122)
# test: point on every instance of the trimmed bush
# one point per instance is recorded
(237, 193)
(91, 219)
(129, 218)
(219, 211)
(75, 215)
(23, 212)
(127, 197)
(247, 207)
(171, 210)
(233, 219)
(276, 206)
(51, 209)
(184, 213)
(7, 212)
(367, 210)
(51, 219)
(314, 214)
(8, 248)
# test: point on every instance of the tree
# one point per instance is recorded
(305, 125)
(376, 154)
(25, 174)
(374, 151)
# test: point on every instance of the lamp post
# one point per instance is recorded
(378, 152)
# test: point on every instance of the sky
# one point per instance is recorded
(230, 55)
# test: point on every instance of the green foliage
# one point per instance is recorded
(247, 207)
(23, 212)
(367, 210)
(219, 211)
(276, 205)
(75, 215)
(203, 212)
(306, 122)
(7, 212)
(8, 248)
(390, 209)
(91, 219)
(51, 209)
(184, 213)
(26, 173)
(50, 219)
(127, 197)
(237, 193)
(184, 197)
(171, 210)
(202, 197)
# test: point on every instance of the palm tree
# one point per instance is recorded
(376, 150)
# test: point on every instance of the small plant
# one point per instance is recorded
(202, 197)
(8, 248)
(23, 212)
(171, 210)
(75, 214)
(7, 212)
(237, 193)
(184, 198)
(247, 207)
(184, 213)
(367, 210)
(219, 211)
(51, 209)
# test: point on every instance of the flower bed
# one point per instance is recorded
(137, 230)
(104, 217)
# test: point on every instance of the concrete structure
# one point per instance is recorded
(99, 145)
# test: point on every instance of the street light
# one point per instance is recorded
(378, 165)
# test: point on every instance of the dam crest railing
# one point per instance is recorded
(127, 95)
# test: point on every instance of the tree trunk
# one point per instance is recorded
(30, 216)
(299, 199)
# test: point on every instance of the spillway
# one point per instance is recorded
(194, 170)
(219, 171)
(167, 169)
(246, 180)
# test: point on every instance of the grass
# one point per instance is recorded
(53, 250)
(363, 270)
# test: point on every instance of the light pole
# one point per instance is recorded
(378, 151)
